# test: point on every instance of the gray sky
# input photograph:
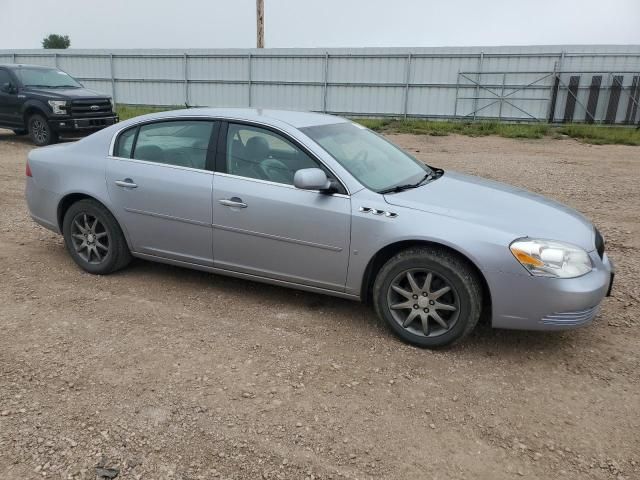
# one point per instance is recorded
(319, 23)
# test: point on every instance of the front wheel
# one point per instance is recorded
(428, 297)
(94, 238)
(40, 130)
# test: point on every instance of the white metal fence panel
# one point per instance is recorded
(504, 83)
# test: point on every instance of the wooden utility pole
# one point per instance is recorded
(260, 18)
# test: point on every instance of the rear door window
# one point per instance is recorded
(183, 143)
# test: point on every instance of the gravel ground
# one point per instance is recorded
(158, 372)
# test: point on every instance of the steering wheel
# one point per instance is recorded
(275, 170)
(358, 162)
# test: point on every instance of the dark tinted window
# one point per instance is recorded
(183, 143)
(124, 144)
(259, 153)
(4, 77)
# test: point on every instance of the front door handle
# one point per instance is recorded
(127, 183)
(233, 202)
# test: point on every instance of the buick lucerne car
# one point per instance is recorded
(319, 203)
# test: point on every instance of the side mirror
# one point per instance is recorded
(312, 179)
(8, 88)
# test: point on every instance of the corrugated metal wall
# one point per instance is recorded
(510, 83)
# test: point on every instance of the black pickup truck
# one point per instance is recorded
(47, 103)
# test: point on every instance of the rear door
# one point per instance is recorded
(160, 182)
(265, 226)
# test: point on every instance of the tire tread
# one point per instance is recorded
(448, 259)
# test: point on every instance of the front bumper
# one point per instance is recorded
(526, 302)
(82, 125)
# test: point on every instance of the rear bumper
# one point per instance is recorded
(82, 126)
(43, 205)
(525, 302)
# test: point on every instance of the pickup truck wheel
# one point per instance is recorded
(40, 131)
(428, 297)
(20, 131)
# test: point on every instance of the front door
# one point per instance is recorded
(265, 226)
(160, 184)
(9, 101)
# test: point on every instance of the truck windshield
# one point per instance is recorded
(376, 163)
(46, 77)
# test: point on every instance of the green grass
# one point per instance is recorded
(601, 135)
(126, 112)
(594, 134)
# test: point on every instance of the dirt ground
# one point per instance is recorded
(161, 372)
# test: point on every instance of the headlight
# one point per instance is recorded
(59, 107)
(546, 258)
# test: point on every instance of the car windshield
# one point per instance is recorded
(46, 77)
(373, 161)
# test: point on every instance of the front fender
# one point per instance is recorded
(35, 104)
(487, 248)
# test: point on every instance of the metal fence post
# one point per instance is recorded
(13, 57)
(249, 81)
(555, 87)
(455, 106)
(326, 82)
(407, 79)
(478, 78)
(504, 80)
(55, 60)
(113, 79)
(186, 79)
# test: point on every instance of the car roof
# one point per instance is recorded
(266, 116)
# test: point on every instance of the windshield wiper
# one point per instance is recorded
(427, 176)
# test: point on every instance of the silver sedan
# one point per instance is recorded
(319, 203)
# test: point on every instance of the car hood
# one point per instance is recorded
(66, 93)
(500, 206)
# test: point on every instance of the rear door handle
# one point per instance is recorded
(127, 183)
(233, 202)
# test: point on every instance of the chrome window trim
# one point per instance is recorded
(228, 120)
(168, 165)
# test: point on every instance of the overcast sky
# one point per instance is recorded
(319, 23)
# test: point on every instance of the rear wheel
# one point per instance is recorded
(40, 130)
(429, 298)
(94, 238)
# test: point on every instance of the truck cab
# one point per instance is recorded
(47, 103)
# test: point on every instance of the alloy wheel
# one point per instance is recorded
(90, 238)
(39, 130)
(423, 302)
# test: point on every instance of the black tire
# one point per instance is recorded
(464, 295)
(20, 131)
(115, 256)
(40, 131)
